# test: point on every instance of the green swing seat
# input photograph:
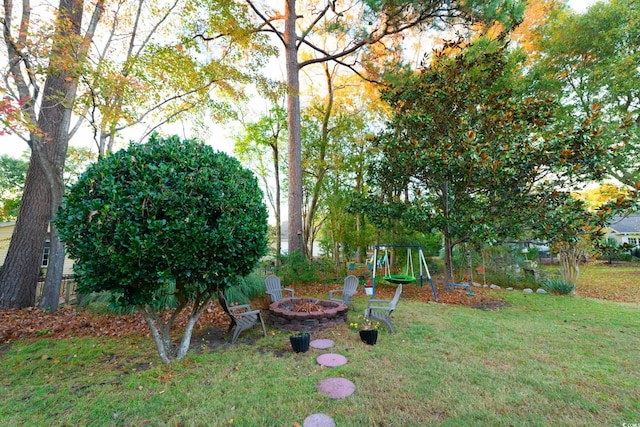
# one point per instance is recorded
(399, 279)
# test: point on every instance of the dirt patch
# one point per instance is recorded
(209, 339)
(4, 348)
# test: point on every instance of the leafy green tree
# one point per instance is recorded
(570, 228)
(130, 63)
(592, 58)
(163, 225)
(336, 145)
(358, 31)
(469, 153)
(12, 173)
(155, 65)
(260, 147)
(610, 249)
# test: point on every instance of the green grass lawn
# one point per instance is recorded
(541, 361)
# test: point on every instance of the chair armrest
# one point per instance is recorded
(247, 313)
(291, 291)
(334, 292)
(239, 307)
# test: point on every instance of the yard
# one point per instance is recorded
(537, 360)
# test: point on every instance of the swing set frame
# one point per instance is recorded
(399, 278)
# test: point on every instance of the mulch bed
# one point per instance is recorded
(71, 322)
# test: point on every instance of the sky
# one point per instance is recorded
(220, 136)
(580, 5)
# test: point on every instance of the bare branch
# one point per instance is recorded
(166, 120)
(306, 32)
(167, 101)
(91, 29)
(134, 31)
(114, 24)
(267, 21)
(16, 56)
(208, 39)
(24, 22)
(374, 36)
(155, 28)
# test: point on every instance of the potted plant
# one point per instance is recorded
(368, 288)
(368, 330)
(300, 341)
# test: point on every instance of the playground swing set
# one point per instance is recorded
(409, 275)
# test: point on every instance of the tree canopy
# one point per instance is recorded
(344, 32)
(12, 173)
(592, 58)
(164, 224)
(470, 153)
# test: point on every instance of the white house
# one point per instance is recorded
(625, 229)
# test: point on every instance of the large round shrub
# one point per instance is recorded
(168, 221)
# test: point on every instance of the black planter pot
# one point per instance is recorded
(369, 336)
(300, 343)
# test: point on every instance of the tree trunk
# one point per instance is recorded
(362, 250)
(359, 250)
(160, 335)
(278, 213)
(448, 245)
(51, 292)
(448, 264)
(569, 257)
(25, 251)
(316, 192)
(63, 86)
(19, 276)
(293, 121)
(161, 331)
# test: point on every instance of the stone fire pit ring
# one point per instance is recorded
(283, 314)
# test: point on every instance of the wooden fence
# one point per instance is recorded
(67, 289)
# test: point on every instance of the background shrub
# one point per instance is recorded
(558, 286)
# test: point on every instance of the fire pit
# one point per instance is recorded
(306, 314)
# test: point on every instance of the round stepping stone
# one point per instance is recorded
(318, 420)
(331, 360)
(336, 388)
(321, 344)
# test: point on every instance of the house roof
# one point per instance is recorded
(625, 225)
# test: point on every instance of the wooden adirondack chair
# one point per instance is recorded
(242, 317)
(274, 289)
(347, 292)
(381, 310)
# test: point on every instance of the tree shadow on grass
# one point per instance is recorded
(490, 305)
